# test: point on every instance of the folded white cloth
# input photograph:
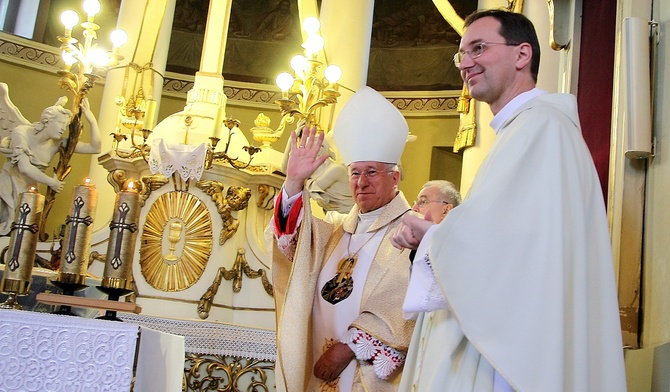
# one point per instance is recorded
(160, 362)
(188, 160)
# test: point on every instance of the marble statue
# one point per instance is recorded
(30, 147)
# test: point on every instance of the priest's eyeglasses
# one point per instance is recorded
(423, 202)
(477, 50)
(355, 175)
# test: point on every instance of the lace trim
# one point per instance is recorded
(385, 359)
(208, 338)
(434, 298)
(188, 160)
(46, 352)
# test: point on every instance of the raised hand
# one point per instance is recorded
(304, 158)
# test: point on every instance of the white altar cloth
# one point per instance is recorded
(46, 352)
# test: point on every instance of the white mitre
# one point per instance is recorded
(370, 128)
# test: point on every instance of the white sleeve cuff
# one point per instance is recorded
(423, 292)
(288, 202)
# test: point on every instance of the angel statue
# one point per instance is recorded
(29, 149)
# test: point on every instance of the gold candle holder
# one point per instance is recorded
(22, 245)
(77, 239)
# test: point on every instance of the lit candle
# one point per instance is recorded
(20, 255)
(78, 232)
(121, 247)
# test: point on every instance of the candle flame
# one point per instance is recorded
(87, 181)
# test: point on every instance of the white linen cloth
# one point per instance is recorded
(160, 362)
(188, 160)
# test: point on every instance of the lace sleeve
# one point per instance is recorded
(385, 359)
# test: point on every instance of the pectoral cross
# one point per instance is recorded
(76, 220)
(121, 225)
(21, 226)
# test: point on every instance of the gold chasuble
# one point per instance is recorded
(295, 284)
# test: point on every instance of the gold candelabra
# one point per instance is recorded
(311, 87)
(137, 113)
(222, 156)
(84, 64)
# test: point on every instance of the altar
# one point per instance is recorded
(48, 352)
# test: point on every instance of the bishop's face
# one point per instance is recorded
(372, 184)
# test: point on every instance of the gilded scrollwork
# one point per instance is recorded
(515, 5)
(117, 178)
(266, 196)
(467, 129)
(150, 184)
(219, 373)
(235, 274)
(236, 199)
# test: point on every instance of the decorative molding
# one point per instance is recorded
(235, 274)
(47, 58)
(447, 105)
(236, 199)
(20, 50)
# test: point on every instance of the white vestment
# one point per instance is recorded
(526, 268)
(299, 270)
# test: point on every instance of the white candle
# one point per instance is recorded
(78, 232)
(20, 255)
(121, 247)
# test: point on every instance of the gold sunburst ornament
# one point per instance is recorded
(176, 241)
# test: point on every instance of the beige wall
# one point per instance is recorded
(416, 159)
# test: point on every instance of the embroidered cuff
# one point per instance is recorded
(385, 360)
